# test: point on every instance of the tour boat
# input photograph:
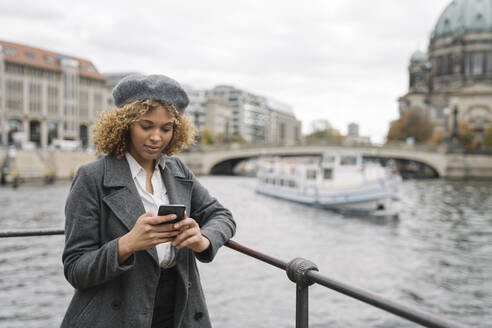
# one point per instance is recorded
(340, 181)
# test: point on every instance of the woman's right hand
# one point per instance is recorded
(147, 232)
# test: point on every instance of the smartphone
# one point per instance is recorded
(172, 209)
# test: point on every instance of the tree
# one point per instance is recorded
(436, 138)
(323, 131)
(487, 140)
(413, 123)
(466, 135)
(206, 137)
(329, 134)
(237, 138)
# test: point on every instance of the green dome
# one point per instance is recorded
(464, 16)
(418, 57)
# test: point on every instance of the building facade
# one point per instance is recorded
(283, 127)
(47, 96)
(353, 130)
(258, 119)
(196, 109)
(218, 118)
(455, 75)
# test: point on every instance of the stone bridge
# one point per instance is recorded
(222, 160)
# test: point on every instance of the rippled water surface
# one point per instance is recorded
(437, 257)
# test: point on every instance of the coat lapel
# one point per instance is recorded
(177, 185)
(123, 199)
(179, 190)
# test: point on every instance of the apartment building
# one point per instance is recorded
(218, 118)
(196, 109)
(258, 119)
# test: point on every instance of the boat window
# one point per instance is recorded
(348, 160)
(311, 174)
(327, 174)
(292, 183)
(329, 159)
(281, 182)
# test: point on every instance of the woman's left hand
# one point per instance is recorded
(190, 235)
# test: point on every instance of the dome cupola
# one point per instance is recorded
(419, 57)
(463, 17)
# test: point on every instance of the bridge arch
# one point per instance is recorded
(226, 167)
(222, 161)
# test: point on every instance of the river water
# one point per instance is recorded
(437, 257)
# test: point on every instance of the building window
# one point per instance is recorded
(10, 51)
(34, 98)
(48, 59)
(488, 61)
(444, 65)
(98, 103)
(412, 80)
(477, 63)
(15, 95)
(311, 174)
(52, 100)
(14, 68)
(30, 55)
(282, 132)
(348, 160)
(84, 104)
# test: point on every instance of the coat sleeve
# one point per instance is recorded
(87, 261)
(215, 221)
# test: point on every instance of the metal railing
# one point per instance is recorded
(303, 273)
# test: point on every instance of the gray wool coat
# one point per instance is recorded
(102, 206)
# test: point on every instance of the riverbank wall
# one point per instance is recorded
(37, 164)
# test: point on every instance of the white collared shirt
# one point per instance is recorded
(151, 202)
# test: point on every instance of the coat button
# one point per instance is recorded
(198, 316)
(116, 305)
(189, 284)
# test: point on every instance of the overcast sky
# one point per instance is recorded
(340, 60)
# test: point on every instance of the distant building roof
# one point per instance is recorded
(25, 55)
(280, 107)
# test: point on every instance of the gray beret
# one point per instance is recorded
(156, 87)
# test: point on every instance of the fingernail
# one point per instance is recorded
(176, 225)
(173, 216)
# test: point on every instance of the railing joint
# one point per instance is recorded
(297, 269)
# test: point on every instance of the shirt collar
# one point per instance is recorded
(136, 168)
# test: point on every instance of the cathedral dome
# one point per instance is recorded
(463, 17)
(419, 57)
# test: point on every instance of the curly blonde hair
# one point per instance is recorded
(112, 128)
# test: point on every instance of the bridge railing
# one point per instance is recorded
(303, 273)
(319, 143)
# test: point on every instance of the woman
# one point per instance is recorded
(128, 267)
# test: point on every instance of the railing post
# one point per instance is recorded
(302, 306)
(296, 271)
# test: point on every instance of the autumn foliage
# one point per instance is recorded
(413, 123)
(487, 140)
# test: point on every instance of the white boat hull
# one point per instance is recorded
(360, 199)
(339, 181)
